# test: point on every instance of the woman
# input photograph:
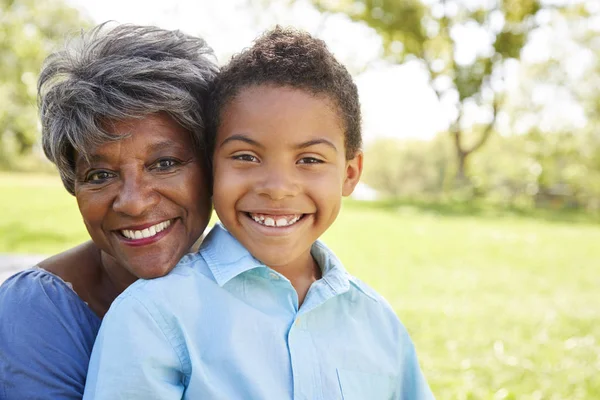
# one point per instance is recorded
(122, 119)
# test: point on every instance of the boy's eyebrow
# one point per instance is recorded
(315, 142)
(242, 138)
(303, 145)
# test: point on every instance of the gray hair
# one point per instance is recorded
(111, 74)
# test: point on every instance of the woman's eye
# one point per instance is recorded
(165, 164)
(245, 157)
(310, 160)
(98, 176)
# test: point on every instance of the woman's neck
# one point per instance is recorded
(94, 276)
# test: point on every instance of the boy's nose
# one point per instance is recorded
(277, 184)
(136, 196)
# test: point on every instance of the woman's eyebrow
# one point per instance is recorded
(165, 145)
(241, 138)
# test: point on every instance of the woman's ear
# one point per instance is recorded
(353, 172)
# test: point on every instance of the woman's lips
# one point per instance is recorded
(147, 235)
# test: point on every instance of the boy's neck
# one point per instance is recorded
(301, 273)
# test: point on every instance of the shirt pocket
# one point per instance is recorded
(358, 385)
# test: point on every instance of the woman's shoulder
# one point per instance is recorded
(41, 296)
(46, 337)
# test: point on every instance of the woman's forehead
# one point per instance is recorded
(134, 136)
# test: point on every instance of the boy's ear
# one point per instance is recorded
(354, 169)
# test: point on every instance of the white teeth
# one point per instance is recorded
(146, 233)
(279, 222)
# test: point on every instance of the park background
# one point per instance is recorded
(478, 216)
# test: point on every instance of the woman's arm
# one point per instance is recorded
(46, 337)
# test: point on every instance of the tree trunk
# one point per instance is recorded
(461, 178)
(461, 168)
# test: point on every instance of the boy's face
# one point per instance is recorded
(280, 171)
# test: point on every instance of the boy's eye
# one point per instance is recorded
(245, 157)
(164, 164)
(310, 160)
(98, 177)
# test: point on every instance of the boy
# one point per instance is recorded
(264, 310)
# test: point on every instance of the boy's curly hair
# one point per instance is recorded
(293, 58)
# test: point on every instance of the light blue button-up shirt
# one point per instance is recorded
(222, 325)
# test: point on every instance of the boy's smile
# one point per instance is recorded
(280, 171)
(275, 219)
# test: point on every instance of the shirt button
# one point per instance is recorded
(297, 321)
(274, 276)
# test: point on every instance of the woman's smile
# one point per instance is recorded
(143, 197)
(140, 236)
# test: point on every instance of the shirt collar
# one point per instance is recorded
(225, 256)
(331, 268)
(334, 273)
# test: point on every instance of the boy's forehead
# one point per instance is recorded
(283, 117)
(283, 98)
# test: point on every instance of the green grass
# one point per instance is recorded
(38, 215)
(500, 304)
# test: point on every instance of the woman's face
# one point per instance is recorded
(144, 199)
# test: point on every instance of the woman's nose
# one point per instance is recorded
(136, 195)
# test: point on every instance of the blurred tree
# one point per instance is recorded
(29, 30)
(556, 110)
(407, 168)
(464, 45)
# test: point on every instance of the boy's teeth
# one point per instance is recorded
(146, 233)
(281, 222)
(278, 221)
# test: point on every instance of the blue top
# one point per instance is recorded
(46, 337)
(222, 325)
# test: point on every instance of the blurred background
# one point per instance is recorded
(478, 215)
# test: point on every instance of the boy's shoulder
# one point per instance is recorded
(358, 291)
(363, 304)
(184, 276)
(366, 290)
(376, 298)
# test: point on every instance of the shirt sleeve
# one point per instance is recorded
(46, 337)
(134, 356)
(413, 385)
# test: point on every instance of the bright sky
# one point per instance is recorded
(396, 100)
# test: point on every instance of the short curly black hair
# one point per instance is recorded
(292, 58)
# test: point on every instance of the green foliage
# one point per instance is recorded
(398, 22)
(558, 170)
(499, 304)
(426, 30)
(29, 30)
